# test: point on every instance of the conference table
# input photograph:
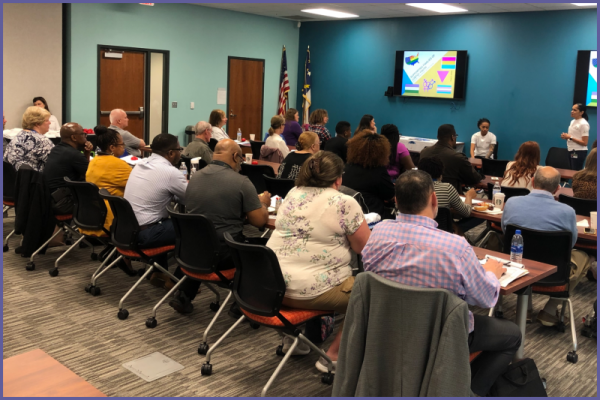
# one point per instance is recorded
(564, 173)
(483, 184)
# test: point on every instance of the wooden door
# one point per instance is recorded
(122, 85)
(245, 97)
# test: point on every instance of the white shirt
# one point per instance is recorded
(54, 124)
(483, 143)
(277, 142)
(578, 129)
(218, 134)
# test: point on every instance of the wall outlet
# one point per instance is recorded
(192, 106)
(174, 104)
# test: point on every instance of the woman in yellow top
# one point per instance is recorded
(108, 171)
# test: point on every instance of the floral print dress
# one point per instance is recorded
(310, 240)
(28, 147)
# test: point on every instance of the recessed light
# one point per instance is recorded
(586, 4)
(330, 13)
(438, 7)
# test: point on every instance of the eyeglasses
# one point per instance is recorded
(236, 155)
(179, 149)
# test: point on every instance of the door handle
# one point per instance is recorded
(232, 115)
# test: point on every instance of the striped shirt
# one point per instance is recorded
(152, 185)
(412, 251)
(448, 197)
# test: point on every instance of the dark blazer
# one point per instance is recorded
(374, 184)
(458, 170)
(338, 145)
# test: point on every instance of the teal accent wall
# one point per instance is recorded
(199, 40)
(521, 73)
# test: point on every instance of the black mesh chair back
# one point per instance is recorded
(255, 174)
(558, 157)
(508, 191)
(212, 143)
(9, 176)
(196, 244)
(279, 187)
(255, 146)
(581, 206)
(444, 219)
(258, 285)
(552, 248)
(495, 152)
(125, 228)
(493, 167)
(89, 210)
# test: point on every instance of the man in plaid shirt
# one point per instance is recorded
(411, 250)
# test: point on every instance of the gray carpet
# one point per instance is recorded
(83, 333)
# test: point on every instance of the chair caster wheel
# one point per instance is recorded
(498, 314)
(5, 248)
(254, 325)
(53, 272)
(151, 322)
(572, 357)
(30, 266)
(203, 349)
(82, 245)
(279, 350)
(206, 369)
(88, 287)
(327, 378)
(95, 290)
(123, 314)
(69, 242)
(215, 306)
(94, 256)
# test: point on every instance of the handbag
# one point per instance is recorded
(520, 379)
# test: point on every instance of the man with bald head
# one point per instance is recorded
(119, 121)
(66, 159)
(199, 146)
(226, 198)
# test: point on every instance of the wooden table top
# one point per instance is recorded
(564, 173)
(275, 166)
(488, 179)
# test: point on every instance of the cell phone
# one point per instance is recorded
(589, 230)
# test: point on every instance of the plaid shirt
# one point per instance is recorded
(321, 131)
(412, 251)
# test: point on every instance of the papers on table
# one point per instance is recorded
(583, 223)
(474, 200)
(246, 143)
(513, 270)
(131, 160)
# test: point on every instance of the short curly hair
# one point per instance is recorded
(34, 116)
(368, 150)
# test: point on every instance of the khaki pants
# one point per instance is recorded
(335, 299)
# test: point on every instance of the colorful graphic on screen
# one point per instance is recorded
(429, 73)
(592, 89)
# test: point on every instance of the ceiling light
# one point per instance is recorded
(437, 7)
(586, 4)
(330, 13)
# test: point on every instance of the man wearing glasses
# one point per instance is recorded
(458, 170)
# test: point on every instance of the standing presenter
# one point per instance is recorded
(577, 137)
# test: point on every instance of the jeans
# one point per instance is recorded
(161, 234)
(577, 163)
(499, 340)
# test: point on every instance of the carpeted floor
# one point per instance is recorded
(83, 332)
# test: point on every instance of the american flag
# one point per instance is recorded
(284, 85)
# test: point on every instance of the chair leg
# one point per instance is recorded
(204, 345)
(123, 313)
(218, 342)
(98, 274)
(160, 268)
(562, 311)
(5, 248)
(215, 291)
(318, 350)
(35, 253)
(54, 272)
(170, 293)
(573, 332)
(280, 367)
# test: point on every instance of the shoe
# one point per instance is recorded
(234, 311)
(157, 279)
(181, 303)
(301, 349)
(530, 315)
(322, 365)
(547, 319)
(169, 284)
(123, 267)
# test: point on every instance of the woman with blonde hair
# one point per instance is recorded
(585, 182)
(293, 130)
(30, 146)
(317, 121)
(274, 140)
(218, 119)
(518, 173)
(308, 144)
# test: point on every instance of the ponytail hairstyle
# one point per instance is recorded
(583, 108)
(321, 170)
(276, 123)
(106, 137)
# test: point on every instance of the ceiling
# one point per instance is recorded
(378, 10)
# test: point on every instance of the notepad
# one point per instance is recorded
(474, 201)
(513, 270)
(584, 223)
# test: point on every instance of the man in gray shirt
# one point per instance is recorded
(118, 122)
(199, 146)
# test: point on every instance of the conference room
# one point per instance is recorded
(524, 71)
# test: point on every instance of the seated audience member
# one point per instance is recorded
(308, 144)
(293, 130)
(218, 119)
(338, 145)
(411, 251)
(226, 198)
(42, 103)
(153, 184)
(585, 181)
(538, 210)
(484, 141)
(274, 140)
(199, 146)
(458, 170)
(367, 122)
(66, 160)
(119, 121)
(30, 146)
(400, 159)
(595, 144)
(108, 171)
(519, 173)
(366, 172)
(317, 233)
(317, 121)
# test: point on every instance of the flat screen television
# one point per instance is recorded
(586, 78)
(431, 74)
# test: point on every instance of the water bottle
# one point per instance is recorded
(516, 247)
(239, 135)
(183, 170)
(192, 172)
(496, 189)
(278, 202)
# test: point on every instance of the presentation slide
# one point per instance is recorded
(430, 74)
(592, 87)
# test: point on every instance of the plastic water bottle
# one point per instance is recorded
(192, 172)
(239, 135)
(496, 189)
(183, 170)
(516, 247)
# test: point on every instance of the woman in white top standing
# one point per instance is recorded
(483, 142)
(218, 119)
(577, 138)
(42, 103)
(275, 140)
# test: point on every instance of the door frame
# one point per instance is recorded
(165, 100)
(262, 106)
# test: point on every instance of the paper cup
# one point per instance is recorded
(593, 220)
(499, 200)
(252, 136)
(249, 158)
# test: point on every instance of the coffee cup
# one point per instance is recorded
(252, 136)
(249, 158)
(594, 220)
(498, 200)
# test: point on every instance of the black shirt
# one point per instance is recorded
(458, 170)
(338, 145)
(64, 160)
(374, 184)
(290, 167)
